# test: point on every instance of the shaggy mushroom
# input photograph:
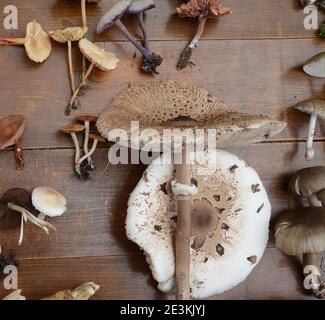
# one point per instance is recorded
(87, 119)
(315, 66)
(229, 229)
(203, 10)
(176, 105)
(99, 58)
(11, 131)
(37, 42)
(113, 17)
(316, 108)
(302, 232)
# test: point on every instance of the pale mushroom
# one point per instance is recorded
(316, 108)
(11, 131)
(230, 222)
(315, 66)
(302, 232)
(37, 42)
(15, 296)
(99, 58)
(172, 104)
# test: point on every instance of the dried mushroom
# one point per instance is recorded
(203, 10)
(37, 42)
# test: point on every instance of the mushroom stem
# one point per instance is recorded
(76, 144)
(12, 41)
(71, 73)
(83, 13)
(183, 234)
(309, 259)
(310, 138)
(87, 155)
(187, 52)
(144, 31)
(86, 142)
(19, 155)
(314, 202)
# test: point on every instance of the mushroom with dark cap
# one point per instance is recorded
(37, 42)
(302, 232)
(11, 131)
(172, 104)
(315, 66)
(316, 108)
(203, 10)
(113, 17)
(99, 58)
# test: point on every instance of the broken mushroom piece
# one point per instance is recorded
(11, 131)
(49, 202)
(15, 296)
(99, 58)
(302, 232)
(230, 222)
(316, 108)
(203, 10)
(168, 104)
(113, 17)
(37, 42)
(315, 66)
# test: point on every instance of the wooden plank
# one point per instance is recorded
(94, 224)
(252, 76)
(128, 277)
(251, 20)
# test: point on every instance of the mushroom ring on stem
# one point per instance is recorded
(37, 42)
(230, 222)
(302, 232)
(11, 131)
(316, 108)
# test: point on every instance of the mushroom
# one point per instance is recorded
(113, 17)
(15, 296)
(87, 119)
(302, 232)
(315, 66)
(203, 10)
(49, 202)
(230, 222)
(169, 104)
(73, 129)
(310, 183)
(11, 131)
(316, 108)
(37, 42)
(139, 7)
(67, 36)
(99, 58)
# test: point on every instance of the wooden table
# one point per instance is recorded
(251, 59)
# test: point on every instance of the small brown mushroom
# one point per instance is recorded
(302, 232)
(11, 131)
(37, 42)
(203, 10)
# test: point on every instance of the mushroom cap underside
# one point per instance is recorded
(68, 34)
(141, 6)
(300, 231)
(11, 129)
(170, 104)
(312, 106)
(315, 66)
(230, 221)
(73, 128)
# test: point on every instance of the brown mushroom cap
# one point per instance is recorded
(102, 59)
(72, 128)
(312, 106)
(83, 117)
(172, 104)
(300, 231)
(10, 219)
(95, 136)
(68, 34)
(37, 42)
(11, 129)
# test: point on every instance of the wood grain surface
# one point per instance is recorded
(251, 59)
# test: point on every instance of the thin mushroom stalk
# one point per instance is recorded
(12, 41)
(86, 156)
(143, 30)
(70, 65)
(310, 138)
(19, 155)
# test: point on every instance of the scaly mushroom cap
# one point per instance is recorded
(171, 104)
(117, 12)
(49, 201)
(301, 231)
(37, 42)
(312, 106)
(11, 129)
(202, 8)
(138, 6)
(231, 214)
(315, 66)
(102, 59)
(10, 219)
(68, 34)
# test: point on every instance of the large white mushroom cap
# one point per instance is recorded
(230, 222)
(49, 201)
